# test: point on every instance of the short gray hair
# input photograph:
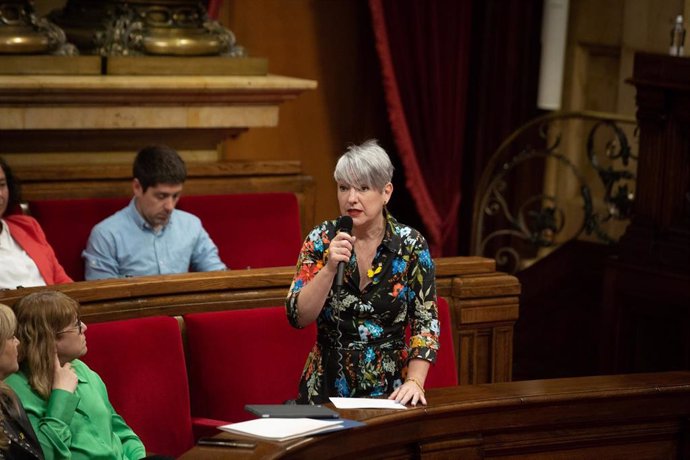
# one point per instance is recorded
(366, 164)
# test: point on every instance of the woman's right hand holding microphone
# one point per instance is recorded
(340, 250)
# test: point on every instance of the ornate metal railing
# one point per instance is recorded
(559, 177)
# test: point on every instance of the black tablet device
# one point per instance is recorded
(291, 411)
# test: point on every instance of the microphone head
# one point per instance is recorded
(345, 224)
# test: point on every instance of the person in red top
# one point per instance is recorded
(26, 257)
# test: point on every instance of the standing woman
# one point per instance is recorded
(67, 402)
(17, 437)
(26, 257)
(389, 283)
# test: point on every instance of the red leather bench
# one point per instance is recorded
(238, 357)
(67, 225)
(233, 358)
(142, 363)
(251, 230)
(444, 373)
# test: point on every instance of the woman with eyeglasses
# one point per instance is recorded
(17, 437)
(67, 403)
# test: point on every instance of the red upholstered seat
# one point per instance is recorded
(251, 230)
(242, 357)
(142, 364)
(444, 373)
(68, 223)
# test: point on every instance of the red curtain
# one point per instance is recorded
(213, 8)
(423, 47)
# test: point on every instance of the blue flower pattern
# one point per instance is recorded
(341, 386)
(399, 265)
(369, 355)
(425, 259)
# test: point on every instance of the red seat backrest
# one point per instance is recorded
(444, 373)
(142, 364)
(251, 230)
(243, 357)
(68, 223)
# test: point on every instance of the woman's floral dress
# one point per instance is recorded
(360, 349)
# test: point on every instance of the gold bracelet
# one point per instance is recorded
(414, 380)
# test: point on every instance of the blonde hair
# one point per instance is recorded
(8, 326)
(40, 317)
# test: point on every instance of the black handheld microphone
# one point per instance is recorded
(344, 225)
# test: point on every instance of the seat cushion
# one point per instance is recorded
(142, 364)
(444, 373)
(243, 357)
(251, 230)
(68, 223)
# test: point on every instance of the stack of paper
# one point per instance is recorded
(282, 429)
(283, 422)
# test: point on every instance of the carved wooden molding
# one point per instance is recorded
(93, 90)
(79, 113)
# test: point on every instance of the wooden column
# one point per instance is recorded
(647, 287)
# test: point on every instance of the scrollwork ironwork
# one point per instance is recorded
(514, 225)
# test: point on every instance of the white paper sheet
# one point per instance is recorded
(366, 403)
(281, 429)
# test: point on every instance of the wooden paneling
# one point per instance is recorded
(327, 41)
(560, 310)
(646, 318)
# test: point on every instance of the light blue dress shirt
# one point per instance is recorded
(124, 244)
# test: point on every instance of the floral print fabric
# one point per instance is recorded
(360, 349)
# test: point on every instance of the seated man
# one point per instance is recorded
(150, 236)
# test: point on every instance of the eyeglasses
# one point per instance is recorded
(77, 325)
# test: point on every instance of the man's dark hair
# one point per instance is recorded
(158, 164)
(12, 186)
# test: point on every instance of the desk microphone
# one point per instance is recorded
(344, 225)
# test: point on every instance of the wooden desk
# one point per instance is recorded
(641, 416)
